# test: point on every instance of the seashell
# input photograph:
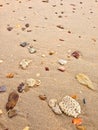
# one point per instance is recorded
(56, 109)
(30, 82)
(70, 106)
(83, 79)
(24, 63)
(52, 102)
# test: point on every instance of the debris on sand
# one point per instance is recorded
(54, 106)
(70, 106)
(42, 97)
(12, 100)
(12, 113)
(25, 63)
(2, 89)
(83, 79)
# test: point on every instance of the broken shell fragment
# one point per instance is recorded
(25, 63)
(62, 62)
(52, 102)
(57, 110)
(70, 106)
(54, 106)
(83, 79)
(12, 100)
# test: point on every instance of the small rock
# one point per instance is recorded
(84, 101)
(61, 68)
(10, 75)
(9, 28)
(12, 100)
(24, 63)
(21, 87)
(62, 62)
(2, 89)
(47, 68)
(42, 97)
(27, 25)
(23, 44)
(51, 52)
(31, 50)
(76, 54)
(12, 113)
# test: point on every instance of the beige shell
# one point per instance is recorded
(83, 79)
(30, 82)
(24, 63)
(26, 128)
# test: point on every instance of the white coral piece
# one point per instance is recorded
(70, 106)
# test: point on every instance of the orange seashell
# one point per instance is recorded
(77, 121)
(10, 75)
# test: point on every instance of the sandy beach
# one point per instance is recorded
(54, 29)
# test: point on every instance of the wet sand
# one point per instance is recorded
(78, 31)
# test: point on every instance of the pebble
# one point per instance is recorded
(62, 62)
(12, 113)
(84, 101)
(76, 54)
(31, 50)
(10, 75)
(47, 68)
(10, 28)
(2, 89)
(61, 68)
(23, 44)
(12, 100)
(51, 52)
(25, 63)
(21, 87)
(42, 97)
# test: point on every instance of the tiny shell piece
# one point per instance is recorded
(30, 82)
(62, 62)
(26, 128)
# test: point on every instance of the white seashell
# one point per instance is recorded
(31, 82)
(70, 106)
(24, 63)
